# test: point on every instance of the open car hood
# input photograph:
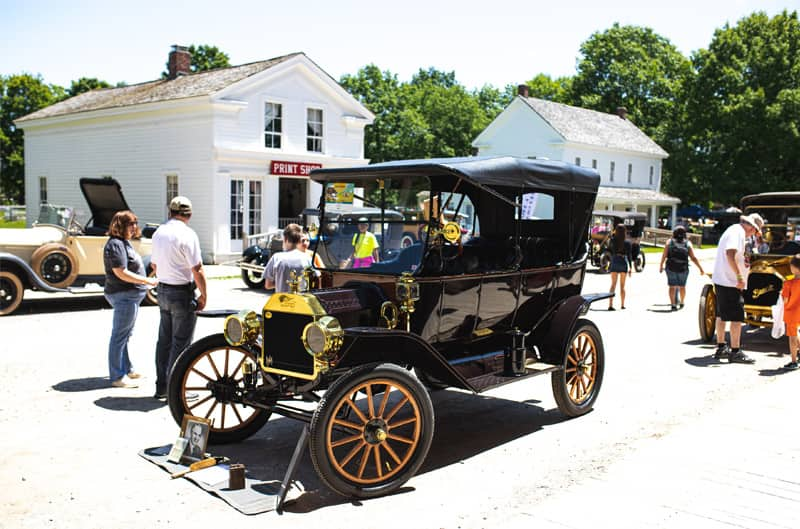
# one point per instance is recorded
(104, 196)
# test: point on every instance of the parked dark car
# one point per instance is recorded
(781, 230)
(471, 311)
(604, 222)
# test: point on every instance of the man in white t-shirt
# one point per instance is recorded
(280, 266)
(730, 280)
(179, 268)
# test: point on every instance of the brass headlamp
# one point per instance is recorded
(242, 327)
(323, 338)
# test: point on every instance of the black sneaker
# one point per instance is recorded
(740, 358)
(791, 366)
(723, 351)
(160, 396)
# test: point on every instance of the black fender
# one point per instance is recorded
(364, 345)
(261, 254)
(11, 261)
(554, 331)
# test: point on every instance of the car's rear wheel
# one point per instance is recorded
(212, 369)
(371, 431)
(251, 278)
(11, 292)
(577, 384)
(605, 262)
(55, 264)
(707, 313)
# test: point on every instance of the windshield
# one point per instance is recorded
(54, 215)
(374, 226)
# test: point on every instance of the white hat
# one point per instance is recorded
(753, 219)
(181, 205)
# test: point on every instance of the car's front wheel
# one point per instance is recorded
(371, 431)
(212, 370)
(577, 384)
(11, 292)
(639, 262)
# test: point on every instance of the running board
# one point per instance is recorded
(489, 381)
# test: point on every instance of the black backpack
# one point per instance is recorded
(678, 256)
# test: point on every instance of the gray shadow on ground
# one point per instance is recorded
(143, 404)
(83, 384)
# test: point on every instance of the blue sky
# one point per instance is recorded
(484, 42)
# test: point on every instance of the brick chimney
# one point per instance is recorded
(180, 62)
(622, 112)
(522, 90)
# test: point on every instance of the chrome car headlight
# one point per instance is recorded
(242, 327)
(323, 338)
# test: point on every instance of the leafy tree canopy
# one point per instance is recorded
(19, 95)
(85, 84)
(743, 109)
(545, 87)
(633, 67)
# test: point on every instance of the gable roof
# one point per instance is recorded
(183, 86)
(590, 127)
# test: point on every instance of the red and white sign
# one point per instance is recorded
(292, 168)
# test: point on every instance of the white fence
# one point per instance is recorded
(11, 213)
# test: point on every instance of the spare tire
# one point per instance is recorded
(55, 264)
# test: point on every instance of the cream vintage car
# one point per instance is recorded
(58, 254)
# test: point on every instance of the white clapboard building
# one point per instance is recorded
(238, 141)
(628, 161)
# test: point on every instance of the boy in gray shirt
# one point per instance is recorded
(278, 270)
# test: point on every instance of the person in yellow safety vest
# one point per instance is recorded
(365, 246)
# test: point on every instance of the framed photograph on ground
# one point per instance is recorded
(195, 431)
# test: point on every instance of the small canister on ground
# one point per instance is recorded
(236, 476)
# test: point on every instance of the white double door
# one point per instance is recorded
(245, 214)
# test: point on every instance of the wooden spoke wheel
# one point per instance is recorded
(576, 386)
(707, 313)
(212, 369)
(371, 431)
(11, 292)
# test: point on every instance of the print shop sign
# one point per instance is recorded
(292, 168)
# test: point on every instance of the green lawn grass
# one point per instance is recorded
(12, 224)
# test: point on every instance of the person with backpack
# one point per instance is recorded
(676, 254)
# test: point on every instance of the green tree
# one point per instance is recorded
(743, 109)
(633, 67)
(543, 86)
(19, 95)
(85, 84)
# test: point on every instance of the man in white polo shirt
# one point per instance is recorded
(179, 268)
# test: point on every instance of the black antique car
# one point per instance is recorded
(472, 311)
(769, 265)
(603, 224)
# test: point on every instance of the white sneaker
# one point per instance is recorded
(124, 382)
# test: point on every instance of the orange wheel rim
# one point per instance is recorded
(372, 438)
(711, 313)
(215, 366)
(581, 368)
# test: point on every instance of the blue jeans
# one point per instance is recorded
(126, 308)
(175, 332)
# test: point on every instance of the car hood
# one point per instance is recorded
(104, 197)
(35, 236)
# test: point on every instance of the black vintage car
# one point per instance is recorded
(769, 265)
(465, 310)
(604, 222)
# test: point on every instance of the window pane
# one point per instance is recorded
(237, 208)
(314, 130)
(254, 209)
(273, 125)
